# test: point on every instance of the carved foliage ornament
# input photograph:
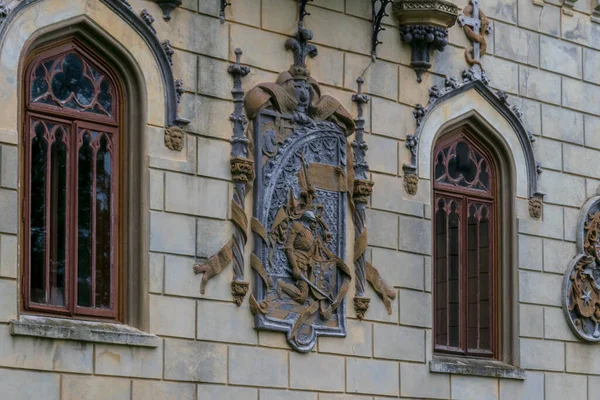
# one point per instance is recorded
(581, 287)
(302, 170)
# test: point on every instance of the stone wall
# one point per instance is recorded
(549, 64)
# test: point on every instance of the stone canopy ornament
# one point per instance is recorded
(305, 175)
(581, 285)
(424, 25)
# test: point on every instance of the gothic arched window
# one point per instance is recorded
(465, 261)
(71, 184)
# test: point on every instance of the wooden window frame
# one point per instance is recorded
(75, 120)
(465, 196)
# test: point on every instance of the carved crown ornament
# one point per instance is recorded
(581, 285)
(424, 26)
(291, 147)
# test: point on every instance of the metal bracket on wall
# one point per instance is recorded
(378, 15)
(224, 5)
(303, 13)
(167, 6)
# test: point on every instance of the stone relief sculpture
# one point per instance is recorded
(475, 25)
(581, 287)
(305, 177)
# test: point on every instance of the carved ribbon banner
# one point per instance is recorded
(581, 289)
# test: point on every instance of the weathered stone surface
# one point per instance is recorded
(417, 381)
(530, 252)
(592, 127)
(561, 57)
(504, 75)
(157, 190)
(383, 154)
(164, 321)
(197, 196)
(145, 390)
(225, 322)
(532, 388)
(557, 255)
(372, 377)
(542, 19)
(380, 80)
(9, 211)
(419, 241)
(531, 321)
(8, 256)
(516, 44)
(400, 269)
(583, 358)
(581, 161)
(43, 354)
(317, 372)
(551, 225)
(410, 348)
(358, 342)
(539, 288)
(591, 65)
(571, 219)
(156, 272)
(474, 367)
(545, 355)
(8, 167)
(563, 189)
(185, 67)
(213, 158)
(388, 196)
(580, 96)
(76, 387)
(579, 29)
(561, 124)
(212, 392)
(172, 233)
(391, 119)
(331, 396)
(27, 385)
(464, 387)
(565, 386)
(212, 235)
(258, 367)
(555, 325)
(8, 300)
(546, 152)
(383, 229)
(415, 308)
(129, 361)
(269, 394)
(539, 85)
(187, 360)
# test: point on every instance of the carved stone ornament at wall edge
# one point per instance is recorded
(581, 285)
(424, 26)
(174, 137)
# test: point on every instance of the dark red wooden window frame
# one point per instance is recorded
(464, 196)
(75, 120)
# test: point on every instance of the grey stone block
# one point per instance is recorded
(317, 372)
(372, 377)
(187, 360)
(410, 348)
(258, 367)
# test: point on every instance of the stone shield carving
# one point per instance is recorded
(581, 288)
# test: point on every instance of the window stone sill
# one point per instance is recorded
(85, 331)
(475, 367)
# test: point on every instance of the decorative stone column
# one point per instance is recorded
(424, 25)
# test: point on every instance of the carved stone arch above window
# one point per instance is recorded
(140, 24)
(473, 100)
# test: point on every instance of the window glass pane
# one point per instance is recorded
(39, 150)
(103, 224)
(441, 278)
(84, 220)
(58, 217)
(454, 274)
(473, 279)
(485, 261)
(460, 164)
(70, 81)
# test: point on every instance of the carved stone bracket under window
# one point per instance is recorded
(499, 100)
(424, 25)
(142, 26)
(581, 287)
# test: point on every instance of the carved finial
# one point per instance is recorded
(301, 47)
(361, 167)
(224, 5)
(168, 50)
(148, 19)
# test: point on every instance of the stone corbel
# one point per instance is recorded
(167, 6)
(424, 25)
